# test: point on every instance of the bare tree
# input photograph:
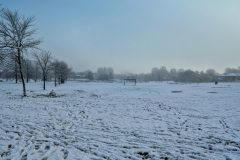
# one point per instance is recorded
(16, 37)
(28, 69)
(202, 76)
(6, 73)
(211, 74)
(105, 73)
(89, 75)
(55, 66)
(2, 55)
(11, 65)
(73, 75)
(64, 71)
(44, 61)
(180, 71)
(187, 76)
(156, 74)
(231, 70)
(36, 72)
(173, 73)
(110, 72)
(164, 72)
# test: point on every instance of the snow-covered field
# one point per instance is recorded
(111, 121)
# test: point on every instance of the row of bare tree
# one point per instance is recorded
(17, 42)
(44, 67)
(58, 69)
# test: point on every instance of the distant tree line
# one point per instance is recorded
(157, 74)
(190, 76)
(180, 75)
(232, 70)
(105, 73)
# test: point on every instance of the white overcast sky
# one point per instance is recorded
(137, 35)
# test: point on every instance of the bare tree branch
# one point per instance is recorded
(16, 37)
(44, 61)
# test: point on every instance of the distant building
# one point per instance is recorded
(229, 77)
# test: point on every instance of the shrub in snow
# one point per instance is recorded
(52, 93)
(93, 95)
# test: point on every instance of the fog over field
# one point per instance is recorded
(137, 36)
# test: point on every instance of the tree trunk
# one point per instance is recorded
(35, 79)
(27, 74)
(44, 79)
(21, 74)
(16, 78)
(55, 80)
(27, 77)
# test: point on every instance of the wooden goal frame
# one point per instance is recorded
(130, 80)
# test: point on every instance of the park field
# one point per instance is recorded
(95, 121)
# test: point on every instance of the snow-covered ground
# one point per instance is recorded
(111, 121)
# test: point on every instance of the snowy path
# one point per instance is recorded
(112, 121)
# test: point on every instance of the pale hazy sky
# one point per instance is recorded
(137, 35)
